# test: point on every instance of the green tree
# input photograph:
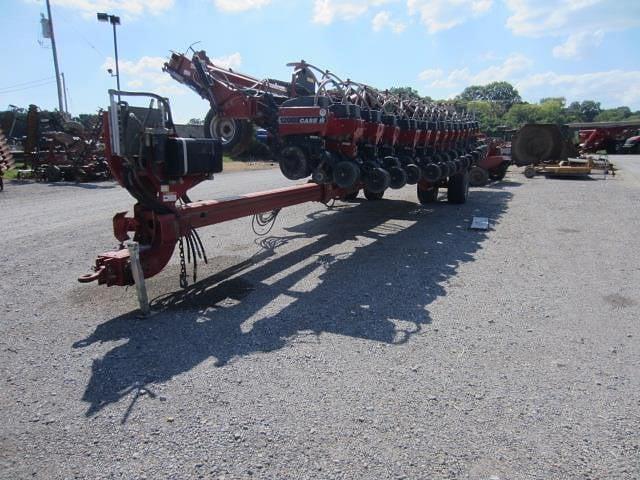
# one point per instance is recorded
(195, 121)
(613, 114)
(551, 110)
(557, 100)
(473, 93)
(488, 114)
(406, 92)
(590, 110)
(501, 93)
(521, 114)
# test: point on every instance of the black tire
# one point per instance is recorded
(235, 134)
(529, 171)
(293, 163)
(398, 178)
(413, 173)
(431, 172)
(345, 174)
(53, 173)
(458, 188)
(478, 176)
(373, 196)
(498, 173)
(377, 180)
(428, 196)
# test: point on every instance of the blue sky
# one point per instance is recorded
(579, 49)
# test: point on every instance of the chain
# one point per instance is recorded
(184, 283)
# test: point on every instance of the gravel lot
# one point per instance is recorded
(375, 340)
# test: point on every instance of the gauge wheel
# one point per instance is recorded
(234, 134)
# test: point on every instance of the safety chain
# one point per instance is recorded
(184, 283)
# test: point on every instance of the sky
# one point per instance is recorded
(577, 49)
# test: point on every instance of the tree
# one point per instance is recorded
(557, 100)
(520, 114)
(551, 110)
(590, 110)
(405, 92)
(613, 114)
(486, 113)
(473, 93)
(501, 93)
(195, 121)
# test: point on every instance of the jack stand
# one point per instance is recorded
(138, 278)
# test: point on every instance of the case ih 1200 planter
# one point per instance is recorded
(345, 135)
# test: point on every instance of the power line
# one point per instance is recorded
(4, 92)
(26, 83)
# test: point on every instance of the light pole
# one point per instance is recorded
(113, 20)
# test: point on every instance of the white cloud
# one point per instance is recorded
(146, 73)
(460, 78)
(383, 20)
(131, 8)
(578, 44)
(613, 87)
(326, 12)
(240, 5)
(438, 15)
(230, 61)
(583, 23)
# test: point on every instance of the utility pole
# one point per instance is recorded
(55, 57)
(64, 91)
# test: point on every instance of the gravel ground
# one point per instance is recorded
(375, 340)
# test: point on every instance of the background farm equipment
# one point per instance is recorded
(493, 166)
(608, 136)
(6, 158)
(58, 149)
(548, 149)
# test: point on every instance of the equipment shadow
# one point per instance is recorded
(368, 270)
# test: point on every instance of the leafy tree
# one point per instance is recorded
(551, 110)
(195, 121)
(405, 92)
(488, 114)
(590, 110)
(473, 93)
(613, 114)
(520, 114)
(502, 93)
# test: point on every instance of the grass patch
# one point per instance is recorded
(12, 173)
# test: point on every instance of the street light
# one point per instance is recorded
(113, 20)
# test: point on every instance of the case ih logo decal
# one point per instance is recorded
(302, 120)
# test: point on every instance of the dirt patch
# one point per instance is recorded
(241, 166)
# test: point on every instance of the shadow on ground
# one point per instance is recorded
(368, 271)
